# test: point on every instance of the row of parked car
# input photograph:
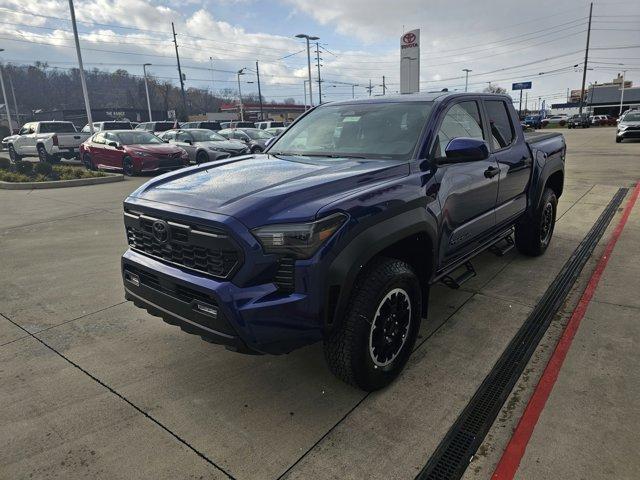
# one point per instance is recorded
(570, 121)
(143, 148)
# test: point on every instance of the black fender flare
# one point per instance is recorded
(368, 243)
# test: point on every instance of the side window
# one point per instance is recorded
(502, 132)
(169, 136)
(110, 137)
(99, 138)
(461, 120)
(183, 137)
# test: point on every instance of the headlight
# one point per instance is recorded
(622, 127)
(141, 154)
(301, 240)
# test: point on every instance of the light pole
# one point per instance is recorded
(466, 78)
(353, 90)
(5, 99)
(146, 88)
(240, 72)
(85, 92)
(308, 38)
(304, 83)
(624, 74)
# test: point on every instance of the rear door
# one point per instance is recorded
(112, 154)
(185, 141)
(97, 150)
(468, 190)
(510, 151)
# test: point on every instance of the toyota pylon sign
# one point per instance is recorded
(410, 62)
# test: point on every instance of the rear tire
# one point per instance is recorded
(13, 155)
(372, 344)
(43, 156)
(618, 140)
(88, 163)
(255, 150)
(533, 233)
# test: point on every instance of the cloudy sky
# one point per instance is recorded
(500, 41)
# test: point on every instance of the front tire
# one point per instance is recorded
(127, 167)
(13, 155)
(533, 233)
(372, 344)
(618, 139)
(202, 157)
(255, 150)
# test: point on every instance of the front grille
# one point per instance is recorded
(205, 250)
(180, 292)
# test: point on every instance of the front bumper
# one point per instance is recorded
(251, 319)
(628, 133)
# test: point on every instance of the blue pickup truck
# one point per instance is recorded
(336, 232)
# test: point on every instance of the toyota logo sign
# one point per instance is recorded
(409, 37)
(160, 231)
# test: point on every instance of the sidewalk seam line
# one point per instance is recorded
(126, 400)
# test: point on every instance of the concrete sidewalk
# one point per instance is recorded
(589, 428)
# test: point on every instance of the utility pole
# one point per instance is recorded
(369, 88)
(212, 78)
(353, 90)
(15, 103)
(146, 88)
(586, 60)
(259, 91)
(307, 37)
(624, 74)
(384, 85)
(240, 72)
(5, 99)
(466, 78)
(526, 100)
(319, 78)
(85, 92)
(184, 96)
(520, 105)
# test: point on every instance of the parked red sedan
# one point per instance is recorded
(131, 151)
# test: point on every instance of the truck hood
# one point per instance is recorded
(262, 189)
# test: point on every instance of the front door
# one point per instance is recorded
(468, 190)
(185, 141)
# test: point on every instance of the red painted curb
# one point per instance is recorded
(513, 453)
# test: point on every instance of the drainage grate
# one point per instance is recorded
(454, 453)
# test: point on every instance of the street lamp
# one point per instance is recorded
(240, 72)
(146, 88)
(466, 78)
(308, 38)
(5, 99)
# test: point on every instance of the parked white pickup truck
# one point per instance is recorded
(50, 141)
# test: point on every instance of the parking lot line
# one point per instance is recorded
(510, 461)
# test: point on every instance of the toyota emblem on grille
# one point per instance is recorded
(161, 231)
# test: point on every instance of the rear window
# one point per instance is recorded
(163, 126)
(210, 125)
(502, 132)
(57, 127)
(117, 126)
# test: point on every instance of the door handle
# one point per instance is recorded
(491, 172)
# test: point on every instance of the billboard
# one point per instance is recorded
(410, 62)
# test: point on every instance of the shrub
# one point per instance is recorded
(6, 176)
(24, 168)
(43, 168)
(5, 163)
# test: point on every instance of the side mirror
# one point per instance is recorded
(188, 142)
(114, 145)
(464, 149)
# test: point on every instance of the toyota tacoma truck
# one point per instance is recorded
(337, 231)
(49, 141)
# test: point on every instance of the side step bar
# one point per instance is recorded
(502, 247)
(455, 282)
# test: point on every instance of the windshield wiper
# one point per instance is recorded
(326, 155)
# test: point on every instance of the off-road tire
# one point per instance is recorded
(13, 155)
(347, 348)
(534, 233)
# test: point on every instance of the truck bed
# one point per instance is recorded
(535, 137)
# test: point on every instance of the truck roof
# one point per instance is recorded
(419, 97)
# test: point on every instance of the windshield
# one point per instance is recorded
(137, 138)
(376, 130)
(632, 117)
(57, 127)
(258, 134)
(206, 136)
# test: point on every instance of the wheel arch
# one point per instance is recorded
(408, 237)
